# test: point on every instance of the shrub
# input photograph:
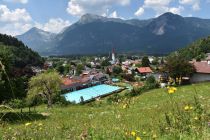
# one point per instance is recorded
(17, 103)
(113, 98)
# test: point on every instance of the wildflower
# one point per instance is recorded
(138, 138)
(154, 136)
(27, 124)
(171, 90)
(186, 108)
(40, 124)
(124, 106)
(144, 133)
(126, 133)
(133, 133)
(196, 118)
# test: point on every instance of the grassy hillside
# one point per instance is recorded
(143, 115)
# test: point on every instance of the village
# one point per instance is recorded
(119, 70)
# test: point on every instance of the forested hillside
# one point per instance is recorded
(16, 60)
(196, 50)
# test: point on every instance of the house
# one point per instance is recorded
(144, 71)
(84, 81)
(202, 71)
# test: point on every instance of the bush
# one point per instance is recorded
(113, 98)
(60, 100)
(151, 83)
(17, 103)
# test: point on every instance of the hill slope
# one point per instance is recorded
(101, 121)
(17, 60)
(196, 50)
(94, 34)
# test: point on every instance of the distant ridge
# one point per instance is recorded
(94, 34)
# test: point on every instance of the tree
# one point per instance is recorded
(117, 70)
(105, 63)
(60, 69)
(145, 61)
(46, 84)
(79, 69)
(178, 67)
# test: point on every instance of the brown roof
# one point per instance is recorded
(144, 70)
(202, 67)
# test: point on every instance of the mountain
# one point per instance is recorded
(37, 39)
(94, 34)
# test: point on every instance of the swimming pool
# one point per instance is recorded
(90, 93)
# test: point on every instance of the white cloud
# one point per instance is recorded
(7, 15)
(54, 25)
(194, 3)
(17, 1)
(139, 12)
(80, 7)
(14, 21)
(176, 10)
(159, 6)
(18, 21)
(15, 28)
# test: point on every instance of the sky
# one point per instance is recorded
(18, 16)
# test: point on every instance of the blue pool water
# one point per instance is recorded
(90, 93)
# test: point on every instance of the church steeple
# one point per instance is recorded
(113, 55)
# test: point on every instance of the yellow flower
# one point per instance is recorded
(27, 124)
(40, 124)
(133, 133)
(126, 133)
(154, 136)
(171, 90)
(138, 138)
(124, 106)
(186, 108)
(196, 118)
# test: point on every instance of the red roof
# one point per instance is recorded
(144, 70)
(202, 67)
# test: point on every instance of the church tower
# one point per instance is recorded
(113, 55)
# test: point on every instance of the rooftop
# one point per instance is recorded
(144, 70)
(202, 67)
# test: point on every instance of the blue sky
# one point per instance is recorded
(18, 16)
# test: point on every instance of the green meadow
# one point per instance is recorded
(133, 118)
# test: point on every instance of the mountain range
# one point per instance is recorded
(94, 34)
